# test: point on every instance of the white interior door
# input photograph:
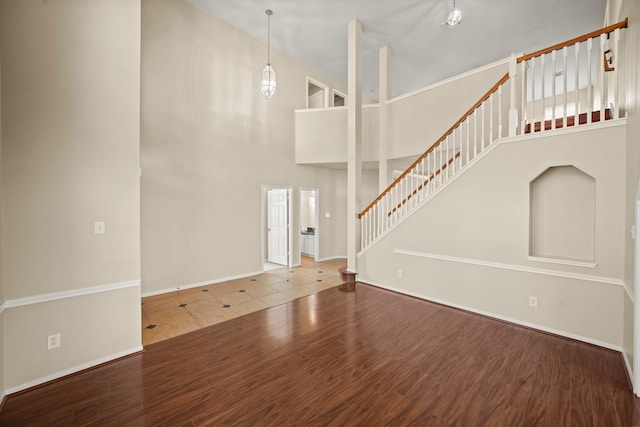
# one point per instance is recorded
(278, 226)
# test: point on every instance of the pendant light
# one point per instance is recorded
(454, 18)
(268, 80)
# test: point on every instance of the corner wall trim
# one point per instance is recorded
(514, 267)
(499, 317)
(72, 370)
(37, 299)
(627, 366)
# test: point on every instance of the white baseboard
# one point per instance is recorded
(197, 285)
(499, 317)
(70, 371)
(331, 258)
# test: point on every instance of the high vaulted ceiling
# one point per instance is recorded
(424, 51)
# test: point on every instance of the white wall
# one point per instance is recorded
(210, 141)
(468, 246)
(70, 141)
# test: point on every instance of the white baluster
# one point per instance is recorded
(440, 164)
(565, 51)
(616, 74)
(483, 120)
(532, 120)
(475, 133)
(577, 85)
(500, 112)
(490, 119)
(603, 85)
(542, 90)
(446, 159)
(553, 90)
(468, 120)
(589, 82)
(523, 102)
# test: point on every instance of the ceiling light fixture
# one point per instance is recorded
(268, 79)
(454, 18)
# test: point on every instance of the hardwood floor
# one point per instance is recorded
(346, 356)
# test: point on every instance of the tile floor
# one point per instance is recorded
(176, 313)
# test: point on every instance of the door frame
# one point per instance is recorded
(316, 218)
(263, 220)
(636, 293)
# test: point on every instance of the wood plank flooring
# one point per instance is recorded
(358, 356)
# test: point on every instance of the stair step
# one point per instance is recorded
(347, 276)
(582, 119)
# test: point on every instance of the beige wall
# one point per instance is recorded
(70, 142)
(1, 269)
(472, 244)
(210, 141)
(417, 120)
(630, 81)
(321, 135)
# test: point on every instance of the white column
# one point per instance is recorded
(384, 90)
(354, 142)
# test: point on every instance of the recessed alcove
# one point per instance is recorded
(562, 216)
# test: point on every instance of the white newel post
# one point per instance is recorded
(513, 109)
(354, 142)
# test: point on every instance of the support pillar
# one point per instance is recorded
(384, 90)
(354, 142)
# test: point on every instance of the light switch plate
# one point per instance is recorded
(99, 227)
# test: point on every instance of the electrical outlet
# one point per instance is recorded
(400, 274)
(533, 301)
(53, 341)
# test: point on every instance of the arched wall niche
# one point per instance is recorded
(562, 215)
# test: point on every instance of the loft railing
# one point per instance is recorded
(574, 82)
(527, 99)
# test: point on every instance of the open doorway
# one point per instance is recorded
(277, 235)
(317, 94)
(309, 236)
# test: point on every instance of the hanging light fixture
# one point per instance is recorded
(268, 80)
(454, 18)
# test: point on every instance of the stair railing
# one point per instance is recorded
(574, 82)
(475, 131)
(587, 93)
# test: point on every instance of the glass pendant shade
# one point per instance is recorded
(454, 18)
(268, 77)
(268, 81)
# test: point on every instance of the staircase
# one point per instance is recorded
(570, 84)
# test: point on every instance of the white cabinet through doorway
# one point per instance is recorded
(307, 244)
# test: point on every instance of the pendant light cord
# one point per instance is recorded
(269, 13)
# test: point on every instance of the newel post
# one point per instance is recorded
(513, 109)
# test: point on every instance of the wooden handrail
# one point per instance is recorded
(438, 142)
(605, 30)
(426, 181)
